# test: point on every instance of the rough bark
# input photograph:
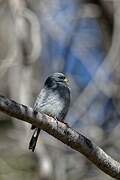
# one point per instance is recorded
(63, 133)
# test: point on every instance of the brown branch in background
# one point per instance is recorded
(64, 133)
(107, 7)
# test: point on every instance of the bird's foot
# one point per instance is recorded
(56, 122)
(66, 124)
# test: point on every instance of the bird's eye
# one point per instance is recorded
(50, 82)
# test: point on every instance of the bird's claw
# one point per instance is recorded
(66, 124)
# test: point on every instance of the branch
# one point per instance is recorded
(64, 133)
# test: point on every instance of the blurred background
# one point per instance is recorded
(80, 38)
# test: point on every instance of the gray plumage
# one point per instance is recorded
(53, 100)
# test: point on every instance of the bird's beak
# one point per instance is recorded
(66, 80)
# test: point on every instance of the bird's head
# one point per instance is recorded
(56, 78)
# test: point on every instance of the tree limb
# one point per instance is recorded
(64, 133)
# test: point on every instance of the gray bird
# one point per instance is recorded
(53, 100)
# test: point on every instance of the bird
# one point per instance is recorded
(53, 100)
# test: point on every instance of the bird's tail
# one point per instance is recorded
(34, 138)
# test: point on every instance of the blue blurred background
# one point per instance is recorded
(78, 38)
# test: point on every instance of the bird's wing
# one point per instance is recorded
(49, 99)
(46, 97)
(49, 102)
(40, 99)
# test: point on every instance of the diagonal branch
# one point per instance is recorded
(64, 133)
